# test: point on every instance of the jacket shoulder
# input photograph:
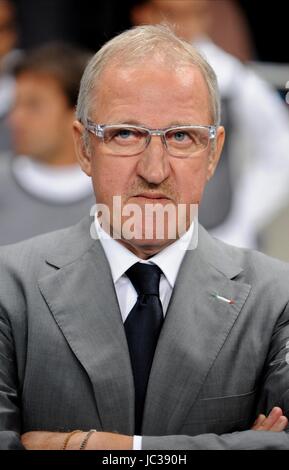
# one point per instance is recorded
(63, 244)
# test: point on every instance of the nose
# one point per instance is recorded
(154, 165)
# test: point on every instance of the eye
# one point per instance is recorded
(123, 136)
(180, 136)
(124, 133)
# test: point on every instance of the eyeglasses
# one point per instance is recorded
(126, 140)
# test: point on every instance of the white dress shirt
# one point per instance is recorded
(120, 259)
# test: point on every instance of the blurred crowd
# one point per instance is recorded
(41, 185)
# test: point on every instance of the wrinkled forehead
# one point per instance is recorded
(152, 85)
(168, 63)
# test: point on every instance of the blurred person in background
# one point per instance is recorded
(8, 41)
(43, 188)
(236, 37)
(251, 180)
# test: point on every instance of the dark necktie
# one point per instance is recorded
(142, 328)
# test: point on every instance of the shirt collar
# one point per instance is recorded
(169, 260)
(57, 184)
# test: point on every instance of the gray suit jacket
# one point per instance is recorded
(65, 363)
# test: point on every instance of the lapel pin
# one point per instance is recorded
(223, 299)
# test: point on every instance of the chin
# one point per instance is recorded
(144, 248)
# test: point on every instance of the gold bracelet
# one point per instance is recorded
(68, 438)
(85, 440)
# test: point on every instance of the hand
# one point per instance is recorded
(275, 421)
(43, 440)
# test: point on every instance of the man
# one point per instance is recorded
(44, 180)
(251, 182)
(145, 341)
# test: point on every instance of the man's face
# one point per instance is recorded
(155, 97)
(41, 118)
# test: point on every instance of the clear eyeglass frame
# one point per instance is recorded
(99, 130)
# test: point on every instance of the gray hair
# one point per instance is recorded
(131, 47)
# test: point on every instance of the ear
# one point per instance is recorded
(82, 153)
(216, 152)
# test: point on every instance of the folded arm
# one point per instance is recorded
(275, 422)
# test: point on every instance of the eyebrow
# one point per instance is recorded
(133, 122)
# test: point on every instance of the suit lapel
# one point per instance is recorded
(196, 326)
(82, 299)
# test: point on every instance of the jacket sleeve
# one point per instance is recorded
(245, 440)
(274, 392)
(10, 416)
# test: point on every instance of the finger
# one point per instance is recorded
(261, 418)
(271, 419)
(280, 424)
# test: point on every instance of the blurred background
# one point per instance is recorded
(90, 23)
(41, 187)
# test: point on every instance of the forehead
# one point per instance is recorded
(41, 88)
(151, 93)
(36, 82)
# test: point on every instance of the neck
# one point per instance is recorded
(145, 251)
(64, 156)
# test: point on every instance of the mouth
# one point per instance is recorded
(150, 197)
